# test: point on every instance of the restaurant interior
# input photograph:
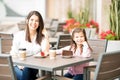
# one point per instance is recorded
(99, 18)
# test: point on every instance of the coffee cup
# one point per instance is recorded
(52, 54)
(22, 54)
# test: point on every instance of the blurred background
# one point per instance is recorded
(13, 12)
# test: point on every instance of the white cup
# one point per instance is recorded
(22, 54)
(52, 54)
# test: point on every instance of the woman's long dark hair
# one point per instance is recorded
(39, 29)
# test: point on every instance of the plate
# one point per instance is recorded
(39, 56)
(29, 55)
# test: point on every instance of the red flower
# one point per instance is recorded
(109, 35)
(76, 23)
(109, 32)
(92, 22)
(88, 25)
(70, 21)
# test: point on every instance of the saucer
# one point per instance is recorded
(67, 56)
(39, 56)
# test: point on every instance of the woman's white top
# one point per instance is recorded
(31, 48)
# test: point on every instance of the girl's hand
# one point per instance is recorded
(84, 42)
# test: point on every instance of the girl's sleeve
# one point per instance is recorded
(59, 51)
(86, 50)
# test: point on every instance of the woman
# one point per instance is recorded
(79, 47)
(34, 38)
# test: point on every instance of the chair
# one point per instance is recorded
(98, 46)
(47, 77)
(21, 25)
(5, 45)
(6, 68)
(108, 67)
(60, 26)
(53, 28)
(6, 35)
(63, 40)
(59, 30)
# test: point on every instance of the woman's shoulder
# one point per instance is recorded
(19, 33)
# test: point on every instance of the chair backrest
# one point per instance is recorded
(53, 28)
(5, 45)
(98, 46)
(108, 67)
(6, 68)
(63, 40)
(21, 25)
(6, 35)
(113, 45)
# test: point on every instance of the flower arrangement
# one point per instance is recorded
(72, 23)
(109, 35)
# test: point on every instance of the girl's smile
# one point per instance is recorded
(79, 38)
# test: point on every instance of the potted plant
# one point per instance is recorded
(80, 20)
(114, 40)
(115, 18)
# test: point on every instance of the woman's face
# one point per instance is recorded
(79, 38)
(33, 22)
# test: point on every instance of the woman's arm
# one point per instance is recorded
(45, 46)
(45, 42)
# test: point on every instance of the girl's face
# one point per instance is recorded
(79, 38)
(33, 22)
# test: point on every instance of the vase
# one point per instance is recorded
(93, 33)
(113, 45)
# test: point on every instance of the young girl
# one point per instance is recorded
(81, 48)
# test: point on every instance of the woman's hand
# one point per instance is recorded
(21, 67)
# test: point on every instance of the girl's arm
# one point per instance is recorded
(86, 50)
(59, 51)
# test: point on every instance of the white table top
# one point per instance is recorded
(50, 65)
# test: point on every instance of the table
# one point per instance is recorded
(50, 65)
